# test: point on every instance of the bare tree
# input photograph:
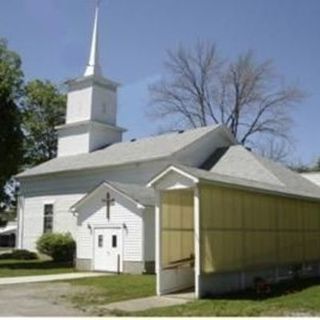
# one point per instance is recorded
(201, 89)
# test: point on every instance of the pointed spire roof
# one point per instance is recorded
(93, 66)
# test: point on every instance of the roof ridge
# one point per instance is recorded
(265, 176)
(258, 157)
(213, 128)
(143, 150)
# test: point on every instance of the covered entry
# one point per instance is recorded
(177, 239)
(221, 233)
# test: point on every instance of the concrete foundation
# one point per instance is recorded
(83, 264)
(221, 283)
(131, 267)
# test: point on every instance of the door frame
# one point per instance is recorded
(108, 226)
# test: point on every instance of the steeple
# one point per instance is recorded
(93, 66)
(91, 118)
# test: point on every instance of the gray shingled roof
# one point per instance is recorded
(135, 192)
(145, 149)
(138, 193)
(238, 166)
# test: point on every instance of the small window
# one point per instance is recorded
(114, 241)
(100, 241)
(48, 218)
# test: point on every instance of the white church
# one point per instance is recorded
(96, 187)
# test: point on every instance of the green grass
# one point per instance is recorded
(286, 299)
(16, 268)
(107, 289)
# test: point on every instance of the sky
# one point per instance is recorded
(53, 39)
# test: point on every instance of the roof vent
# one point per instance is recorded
(180, 131)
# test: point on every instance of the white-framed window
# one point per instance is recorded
(47, 217)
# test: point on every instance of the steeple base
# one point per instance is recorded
(86, 136)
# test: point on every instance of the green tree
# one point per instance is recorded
(43, 109)
(11, 82)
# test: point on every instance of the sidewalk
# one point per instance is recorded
(148, 303)
(51, 277)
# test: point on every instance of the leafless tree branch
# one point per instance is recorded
(200, 89)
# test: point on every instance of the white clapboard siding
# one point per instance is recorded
(85, 180)
(65, 190)
(32, 222)
(123, 212)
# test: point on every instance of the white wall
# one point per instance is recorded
(104, 105)
(100, 137)
(122, 212)
(73, 141)
(66, 190)
(32, 224)
(79, 105)
(85, 180)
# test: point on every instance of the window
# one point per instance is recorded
(100, 241)
(48, 218)
(114, 241)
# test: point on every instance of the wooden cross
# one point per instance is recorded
(109, 202)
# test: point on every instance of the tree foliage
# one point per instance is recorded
(11, 80)
(58, 246)
(200, 89)
(43, 109)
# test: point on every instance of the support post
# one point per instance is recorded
(196, 208)
(158, 242)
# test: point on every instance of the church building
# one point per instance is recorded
(96, 187)
(195, 206)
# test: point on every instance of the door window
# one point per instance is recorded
(114, 241)
(100, 241)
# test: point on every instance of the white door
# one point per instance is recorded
(108, 249)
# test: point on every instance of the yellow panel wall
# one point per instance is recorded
(243, 230)
(177, 220)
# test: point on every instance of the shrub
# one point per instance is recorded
(58, 246)
(19, 254)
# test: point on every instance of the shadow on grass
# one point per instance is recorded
(36, 265)
(282, 288)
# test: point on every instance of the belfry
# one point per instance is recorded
(91, 117)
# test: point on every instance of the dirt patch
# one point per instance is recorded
(41, 299)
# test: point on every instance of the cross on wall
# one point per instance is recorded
(109, 202)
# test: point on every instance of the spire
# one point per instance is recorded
(93, 66)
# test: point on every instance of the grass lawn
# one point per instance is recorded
(16, 268)
(286, 299)
(107, 289)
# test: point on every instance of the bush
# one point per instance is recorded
(19, 254)
(58, 246)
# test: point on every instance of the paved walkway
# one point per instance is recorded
(51, 277)
(149, 303)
